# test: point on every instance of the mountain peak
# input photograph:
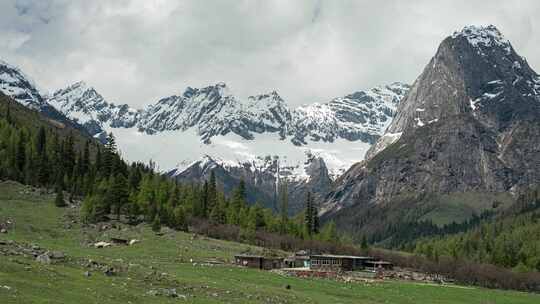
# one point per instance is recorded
(273, 95)
(486, 36)
(79, 84)
(14, 83)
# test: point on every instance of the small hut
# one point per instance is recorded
(330, 262)
(258, 261)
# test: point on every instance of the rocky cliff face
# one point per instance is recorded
(214, 111)
(470, 123)
(263, 178)
(258, 138)
(85, 105)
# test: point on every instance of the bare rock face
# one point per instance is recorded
(471, 122)
(264, 179)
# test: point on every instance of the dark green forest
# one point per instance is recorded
(511, 240)
(38, 152)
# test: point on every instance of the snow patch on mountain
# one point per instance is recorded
(181, 150)
(14, 83)
(85, 105)
(178, 130)
(484, 36)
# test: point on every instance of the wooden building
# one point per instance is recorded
(300, 259)
(329, 262)
(374, 265)
(257, 261)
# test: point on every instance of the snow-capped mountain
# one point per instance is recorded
(214, 111)
(15, 84)
(493, 90)
(264, 178)
(213, 121)
(469, 125)
(260, 137)
(85, 105)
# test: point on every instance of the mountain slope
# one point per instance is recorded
(86, 106)
(259, 139)
(469, 124)
(15, 84)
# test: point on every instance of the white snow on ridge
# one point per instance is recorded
(483, 36)
(232, 150)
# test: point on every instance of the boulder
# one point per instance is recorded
(43, 259)
(133, 242)
(102, 244)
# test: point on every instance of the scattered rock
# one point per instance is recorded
(170, 292)
(102, 244)
(153, 292)
(109, 271)
(44, 259)
(57, 255)
(166, 292)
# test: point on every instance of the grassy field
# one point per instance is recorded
(173, 260)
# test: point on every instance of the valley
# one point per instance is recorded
(150, 270)
(397, 193)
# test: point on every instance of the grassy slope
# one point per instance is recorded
(39, 222)
(459, 207)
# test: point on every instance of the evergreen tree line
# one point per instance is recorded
(510, 241)
(42, 158)
(110, 188)
(405, 233)
(160, 201)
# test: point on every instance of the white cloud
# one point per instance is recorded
(138, 51)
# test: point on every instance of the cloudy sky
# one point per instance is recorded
(137, 51)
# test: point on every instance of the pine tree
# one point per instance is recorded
(68, 155)
(109, 156)
(43, 169)
(212, 191)
(118, 193)
(308, 220)
(203, 209)
(134, 178)
(21, 152)
(156, 224)
(239, 196)
(99, 160)
(59, 200)
(8, 113)
(180, 222)
(364, 243)
(85, 162)
(284, 208)
(241, 191)
(314, 216)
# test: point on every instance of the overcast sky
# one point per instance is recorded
(138, 51)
